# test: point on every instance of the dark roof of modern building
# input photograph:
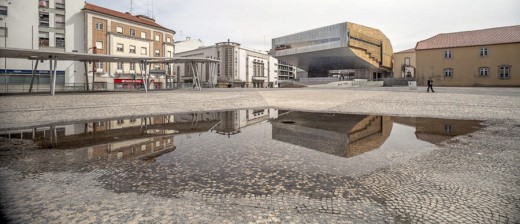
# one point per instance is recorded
(411, 50)
(491, 36)
(127, 16)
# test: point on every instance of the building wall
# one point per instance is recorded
(236, 67)
(399, 62)
(187, 45)
(111, 38)
(375, 54)
(23, 25)
(466, 62)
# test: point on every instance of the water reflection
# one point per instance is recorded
(343, 135)
(337, 134)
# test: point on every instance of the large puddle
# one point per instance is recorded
(340, 135)
(263, 151)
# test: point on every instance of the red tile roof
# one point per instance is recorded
(498, 35)
(121, 15)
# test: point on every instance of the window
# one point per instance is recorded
(143, 35)
(483, 52)
(120, 47)
(119, 29)
(157, 53)
(169, 40)
(59, 4)
(43, 39)
(3, 31)
(100, 65)
(132, 49)
(169, 54)
(447, 128)
(99, 45)
(44, 19)
(132, 32)
(120, 65)
(157, 38)
(484, 71)
(120, 121)
(60, 40)
(99, 26)
(59, 22)
(43, 3)
(504, 71)
(407, 61)
(447, 54)
(144, 51)
(3, 10)
(448, 72)
(132, 66)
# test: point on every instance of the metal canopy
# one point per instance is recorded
(143, 62)
(72, 56)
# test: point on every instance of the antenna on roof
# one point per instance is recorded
(147, 8)
(153, 17)
(131, 6)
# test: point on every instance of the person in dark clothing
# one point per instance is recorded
(430, 85)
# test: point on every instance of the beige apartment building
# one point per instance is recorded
(405, 64)
(488, 57)
(115, 33)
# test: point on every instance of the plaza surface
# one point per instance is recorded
(473, 178)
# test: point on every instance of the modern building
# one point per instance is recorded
(488, 57)
(336, 47)
(115, 33)
(405, 64)
(50, 25)
(188, 45)
(239, 66)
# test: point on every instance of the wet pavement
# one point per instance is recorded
(263, 165)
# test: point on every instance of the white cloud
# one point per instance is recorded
(254, 23)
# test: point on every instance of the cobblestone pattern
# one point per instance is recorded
(469, 179)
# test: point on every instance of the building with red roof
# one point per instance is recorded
(116, 33)
(488, 57)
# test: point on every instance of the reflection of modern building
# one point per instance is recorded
(337, 134)
(336, 47)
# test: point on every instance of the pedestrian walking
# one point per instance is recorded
(430, 85)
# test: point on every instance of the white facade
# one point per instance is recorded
(238, 67)
(52, 25)
(187, 45)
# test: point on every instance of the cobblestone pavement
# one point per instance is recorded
(474, 178)
(468, 179)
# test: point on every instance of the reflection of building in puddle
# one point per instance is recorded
(109, 139)
(337, 134)
(147, 148)
(233, 121)
(435, 130)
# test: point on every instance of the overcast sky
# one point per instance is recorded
(253, 23)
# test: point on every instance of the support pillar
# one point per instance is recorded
(53, 80)
(86, 76)
(33, 74)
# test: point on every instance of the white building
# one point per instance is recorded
(239, 66)
(188, 45)
(52, 25)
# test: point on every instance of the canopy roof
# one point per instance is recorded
(72, 56)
